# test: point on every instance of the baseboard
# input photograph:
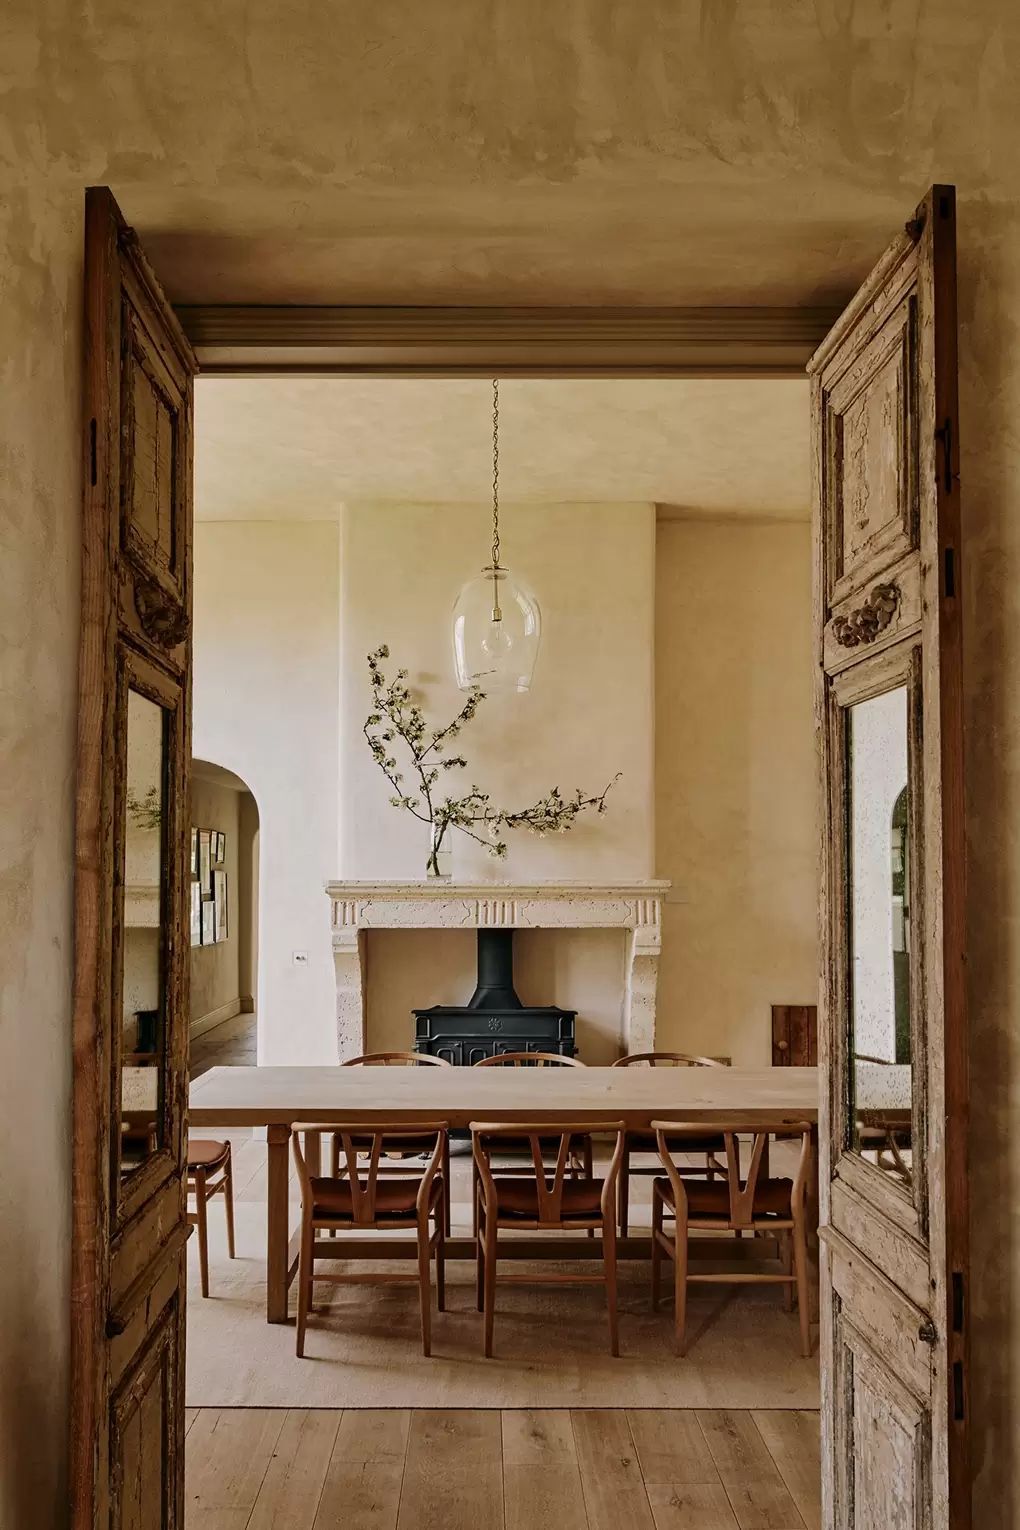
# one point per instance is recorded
(247, 1004)
(215, 1017)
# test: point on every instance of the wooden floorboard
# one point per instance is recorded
(227, 1456)
(754, 1484)
(793, 1442)
(614, 1490)
(541, 1477)
(453, 1472)
(362, 1485)
(523, 1469)
(290, 1492)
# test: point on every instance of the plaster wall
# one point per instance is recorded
(735, 782)
(648, 154)
(265, 707)
(587, 717)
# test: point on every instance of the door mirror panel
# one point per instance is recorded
(879, 907)
(142, 947)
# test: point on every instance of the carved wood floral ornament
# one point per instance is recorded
(395, 715)
(863, 625)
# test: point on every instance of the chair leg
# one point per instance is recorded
(202, 1222)
(656, 1248)
(680, 1286)
(334, 1169)
(489, 1286)
(786, 1241)
(441, 1274)
(228, 1200)
(425, 1287)
(447, 1191)
(479, 1262)
(801, 1272)
(589, 1170)
(624, 1193)
(609, 1261)
(305, 1280)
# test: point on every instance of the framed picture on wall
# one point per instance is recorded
(223, 847)
(208, 921)
(205, 862)
(196, 914)
(220, 899)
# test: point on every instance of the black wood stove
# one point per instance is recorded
(495, 1020)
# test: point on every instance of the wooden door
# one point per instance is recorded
(892, 1022)
(131, 895)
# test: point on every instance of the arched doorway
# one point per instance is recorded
(224, 918)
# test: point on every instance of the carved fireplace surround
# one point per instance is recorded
(442, 905)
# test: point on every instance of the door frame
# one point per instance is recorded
(240, 340)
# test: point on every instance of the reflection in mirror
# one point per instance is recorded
(142, 1037)
(879, 893)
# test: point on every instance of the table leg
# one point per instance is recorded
(812, 1209)
(277, 1224)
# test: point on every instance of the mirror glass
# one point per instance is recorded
(879, 897)
(143, 1028)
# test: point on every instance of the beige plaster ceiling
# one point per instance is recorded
(298, 448)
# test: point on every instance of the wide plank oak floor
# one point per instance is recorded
(548, 1469)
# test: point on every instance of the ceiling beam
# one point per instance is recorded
(528, 342)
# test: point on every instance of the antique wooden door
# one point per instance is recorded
(131, 888)
(892, 1023)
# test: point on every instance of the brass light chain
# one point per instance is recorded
(497, 614)
(495, 472)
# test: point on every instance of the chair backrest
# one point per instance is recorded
(396, 1060)
(488, 1136)
(670, 1134)
(529, 1060)
(363, 1148)
(670, 1060)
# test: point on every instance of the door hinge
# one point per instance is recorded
(928, 1333)
(949, 568)
(944, 435)
(958, 1306)
(958, 1391)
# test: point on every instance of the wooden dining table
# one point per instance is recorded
(274, 1098)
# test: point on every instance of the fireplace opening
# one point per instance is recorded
(494, 1020)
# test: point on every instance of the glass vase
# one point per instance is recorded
(440, 854)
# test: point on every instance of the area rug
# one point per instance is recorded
(363, 1345)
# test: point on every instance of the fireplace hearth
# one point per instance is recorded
(494, 1020)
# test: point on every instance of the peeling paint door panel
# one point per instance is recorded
(132, 895)
(892, 1015)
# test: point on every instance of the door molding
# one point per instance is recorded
(240, 339)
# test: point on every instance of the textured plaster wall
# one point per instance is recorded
(587, 717)
(646, 153)
(40, 243)
(265, 707)
(735, 782)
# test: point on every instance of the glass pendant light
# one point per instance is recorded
(497, 625)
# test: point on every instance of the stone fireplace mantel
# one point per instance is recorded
(444, 905)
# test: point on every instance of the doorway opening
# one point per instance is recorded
(664, 526)
(224, 895)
